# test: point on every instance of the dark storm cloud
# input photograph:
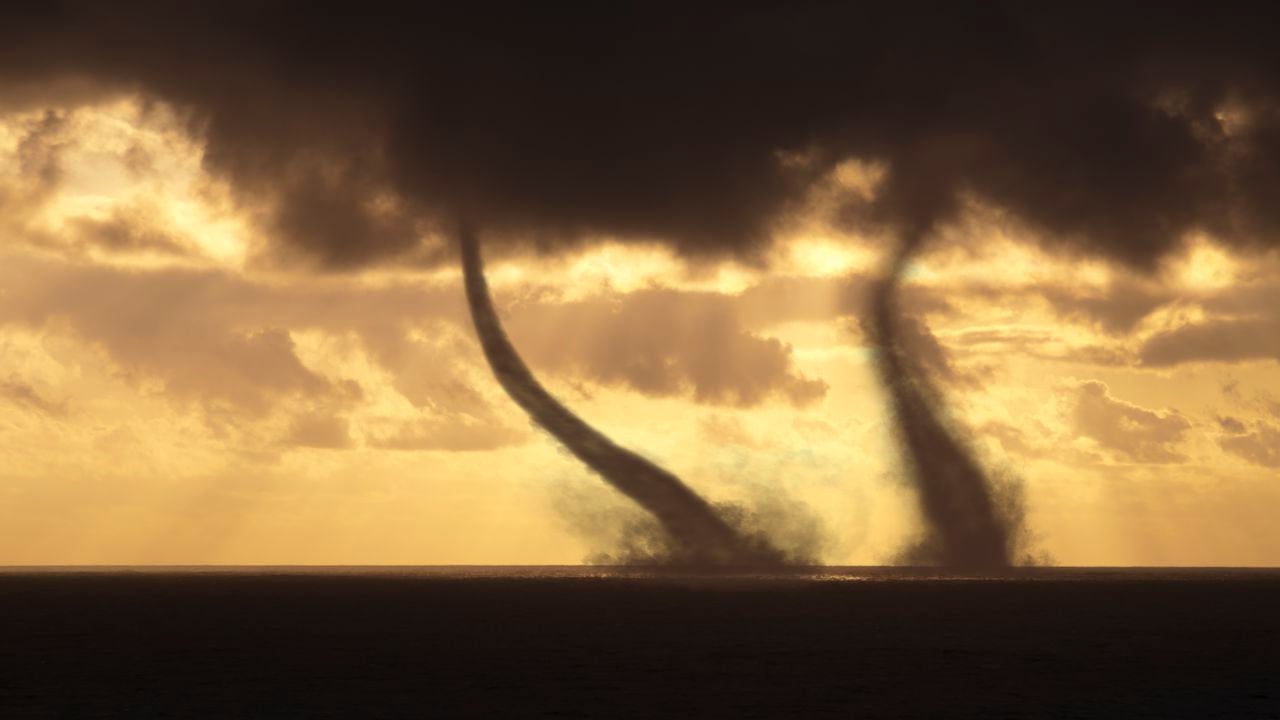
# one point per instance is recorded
(1114, 131)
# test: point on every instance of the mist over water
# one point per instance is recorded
(619, 533)
(698, 535)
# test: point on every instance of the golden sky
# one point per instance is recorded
(172, 393)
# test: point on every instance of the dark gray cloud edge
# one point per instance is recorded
(699, 534)
(1109, 130)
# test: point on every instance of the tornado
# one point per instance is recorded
(966, 530)
(700, 535)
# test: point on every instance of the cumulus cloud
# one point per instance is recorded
(159, 326)
(664, 343)
(67, 187)
(206, 336)
(1132, 432)
(222, 339)
(1261, 447)
(1258, 442)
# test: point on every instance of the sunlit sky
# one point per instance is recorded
(172, 393)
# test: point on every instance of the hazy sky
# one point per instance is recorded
(232, 329)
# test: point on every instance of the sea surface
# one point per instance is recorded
(600, 642)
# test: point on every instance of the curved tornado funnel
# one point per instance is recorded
(700, 535)
(954, 494)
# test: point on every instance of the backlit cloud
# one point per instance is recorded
(1133, 432)
(231, 330)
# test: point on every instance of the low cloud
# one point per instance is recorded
(1132, 432)
(341, 218)
(1118, 309)
(1231, 425)
(121, 233)
(1226, 341)
(210, 337)
(1260, 445)
(664, 343)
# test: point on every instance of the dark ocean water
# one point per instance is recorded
(410, 642)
